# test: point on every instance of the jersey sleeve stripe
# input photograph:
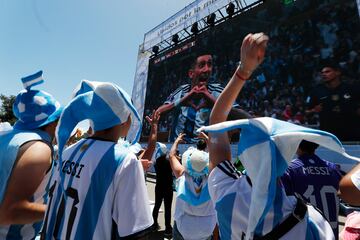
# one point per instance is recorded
(224, 168)
(231, 168)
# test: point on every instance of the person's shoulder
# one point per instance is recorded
(331, 166)
(178, 93)
(36, 147)
(35, 152)
(352, 87)
(123, 155)
(215, 87)
(296, 163)
(184, 87)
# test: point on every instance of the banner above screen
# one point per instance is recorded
(185, 18)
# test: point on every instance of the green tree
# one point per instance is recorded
(6, 113)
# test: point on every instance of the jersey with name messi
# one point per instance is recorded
(98, 192)
(317, 181)
(231, 192)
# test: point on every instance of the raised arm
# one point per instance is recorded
(252, 54)
(165, 107)
(176, 167)
(153, 121)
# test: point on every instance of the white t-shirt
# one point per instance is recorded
(106, 193)
(231, 193)
(355, 178)
(194, 222)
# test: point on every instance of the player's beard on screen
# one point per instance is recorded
(203, 79)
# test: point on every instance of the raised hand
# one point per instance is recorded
(252, 52)
(154, 119)
(180, 138)
(146, 164)
(204, 136)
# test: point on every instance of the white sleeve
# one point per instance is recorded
(226, 179)
(355, 178)
(131, 203)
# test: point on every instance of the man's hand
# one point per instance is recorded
(176, 166)
(193, 94)
(204, 136)
(146, 164)
(180, 138)
(252, 53)
(199, 92)
(154, 119)
(208, 99)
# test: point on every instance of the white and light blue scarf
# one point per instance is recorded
(266, 148)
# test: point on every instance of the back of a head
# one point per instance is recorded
(105, 104)
(195, 162)
(201, 144)
(308, 147)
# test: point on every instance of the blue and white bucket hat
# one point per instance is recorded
(35, 108)
(104, 104)
(195, 162)
(160, 150)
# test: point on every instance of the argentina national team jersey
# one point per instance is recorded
(317, 181)
(188, 120)
(231, 193)
(99, 194)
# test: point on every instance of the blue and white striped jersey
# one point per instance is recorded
(194, 211)
(231, 193)
(97, 193)
(188, 119)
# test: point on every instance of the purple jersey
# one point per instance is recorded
(317, 181)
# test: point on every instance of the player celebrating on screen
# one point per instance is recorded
(195, 100)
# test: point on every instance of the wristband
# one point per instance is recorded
(241, 67)
(239, 76)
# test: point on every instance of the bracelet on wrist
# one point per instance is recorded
(243, 70)
(237, 74)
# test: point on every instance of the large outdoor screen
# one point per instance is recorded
(304, 35)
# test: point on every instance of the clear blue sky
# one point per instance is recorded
(72, 40)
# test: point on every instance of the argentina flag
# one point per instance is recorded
(266, 148)
(32, 80)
